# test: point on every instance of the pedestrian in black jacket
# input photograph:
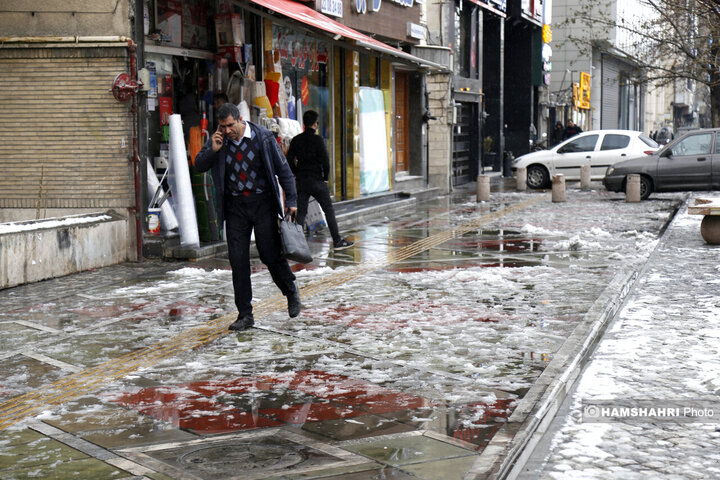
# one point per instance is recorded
(245, 158)
(558, 133)
(571, 130)
(310, 163)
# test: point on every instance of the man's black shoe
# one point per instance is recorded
(343, 244)
(242, 323)
(294, 305)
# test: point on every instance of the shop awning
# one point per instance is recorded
(497, 11)
(315, 19)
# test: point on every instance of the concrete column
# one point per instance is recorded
(585, 177)
(558, 188)
(632, 188)
(521, 179)
(483, 188)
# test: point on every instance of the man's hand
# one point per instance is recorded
(292, 211)
(217, 140)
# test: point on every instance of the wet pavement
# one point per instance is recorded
(660, 354)
(419, 353)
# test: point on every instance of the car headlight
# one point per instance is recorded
(610, 171)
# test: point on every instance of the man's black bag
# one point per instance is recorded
(292, 239)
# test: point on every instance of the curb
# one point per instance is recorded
(507, 453)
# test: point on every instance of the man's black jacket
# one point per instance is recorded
(308, 157)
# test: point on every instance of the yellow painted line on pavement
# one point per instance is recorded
(94, 378)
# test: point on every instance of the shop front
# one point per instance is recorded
(276, 60)
(362, 88)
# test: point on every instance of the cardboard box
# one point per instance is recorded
(229, 30)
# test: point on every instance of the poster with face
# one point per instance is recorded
(290, 99)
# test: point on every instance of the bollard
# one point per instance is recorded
(710, 229)
(483, 188)
(585, 177)
(632, 188)
(558, 188)
(521, 179)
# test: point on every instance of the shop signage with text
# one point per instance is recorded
(362, 6)
(332, 7)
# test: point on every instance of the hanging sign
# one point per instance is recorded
(304, 91)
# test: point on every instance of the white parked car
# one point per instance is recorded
(597, 148)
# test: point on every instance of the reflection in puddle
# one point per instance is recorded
(476, 423)
(393, 316)
(211, 407)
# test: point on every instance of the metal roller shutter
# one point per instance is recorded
(464, 141)
(66, 142)
(610, 93)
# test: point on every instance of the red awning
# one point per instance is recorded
(313, 18)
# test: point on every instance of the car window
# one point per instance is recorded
(613, 141)
(582, 144)
(694, 145)
(648, 141)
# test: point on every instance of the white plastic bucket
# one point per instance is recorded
(153, 221)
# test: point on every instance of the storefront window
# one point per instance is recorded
(465, 40)
(369, 71)
(305, 65)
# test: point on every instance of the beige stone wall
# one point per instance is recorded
(440, 132)
(66, 18)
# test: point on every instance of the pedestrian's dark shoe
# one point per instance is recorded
(242, 323)
(294, 305)
(343, 244)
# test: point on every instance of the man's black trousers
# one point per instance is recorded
(242, 214)
(318, 189)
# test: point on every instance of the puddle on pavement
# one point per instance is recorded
(258, 457)
(407, 450)
(246, 403)
(383, 473)
(324, 405)
(22, 374)
(51, 315)
(27, 454)
(13, 335)
(384, 316)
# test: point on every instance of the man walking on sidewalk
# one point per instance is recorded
(310, 163)
(245, 158)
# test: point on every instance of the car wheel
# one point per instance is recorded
(645, 187)
(537, 176)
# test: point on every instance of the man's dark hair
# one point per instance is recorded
(221, 96)
(310, 117)
(228, 110)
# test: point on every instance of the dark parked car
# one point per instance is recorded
(691, 162)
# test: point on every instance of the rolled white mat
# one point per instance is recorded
(168, 219)
(179, 179)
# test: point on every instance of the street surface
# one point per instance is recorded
(414, 349)
(660, 352)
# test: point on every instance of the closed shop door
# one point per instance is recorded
(401, 122)
(67, 142)
(465, 139)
